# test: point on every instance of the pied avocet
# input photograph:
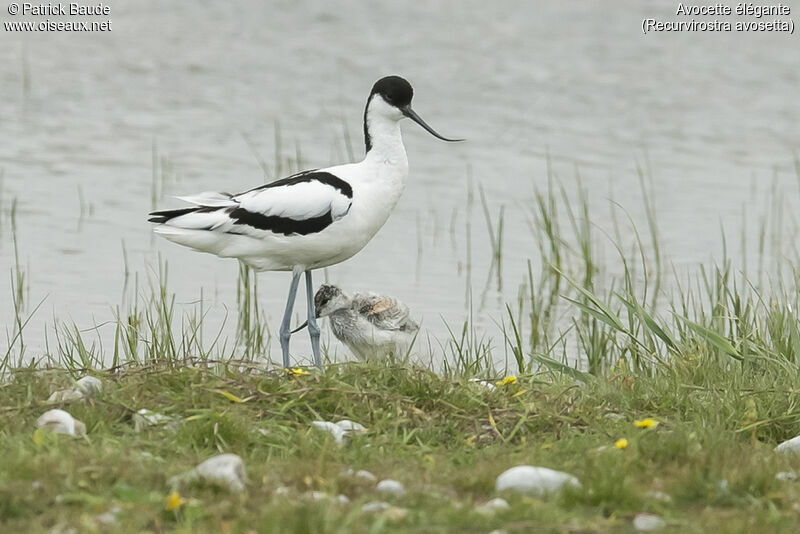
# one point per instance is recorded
(312, 219)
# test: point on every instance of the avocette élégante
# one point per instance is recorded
(312, 219)
(369, 325)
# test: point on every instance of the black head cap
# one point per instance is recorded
(394, 90)
(324, 294)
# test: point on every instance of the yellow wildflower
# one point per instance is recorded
(173, 501)
(621, 443)
(507, 380)
(297, 371)
(647, 422)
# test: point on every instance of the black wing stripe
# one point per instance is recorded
(281, 225)
(309, 176)
(166, 215)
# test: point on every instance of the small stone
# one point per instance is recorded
(145, 418)
(109, 517)
(391, 487)
(483, 382)
(84, 387)
(89, 385)
(787, 476)
(350, 427)
(225, 470)
(493, 506)
(791, 446)
(66, 395)
(319, 496)
(648, 522)
(366, 476)
(361, 475)
(393, 513)
(538, 481)
(396, 514)
(335, 430)
(323, 496)
(282, 491)
(374, 507)
(614, 416)
(61, 422)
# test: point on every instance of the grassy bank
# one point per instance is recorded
(712, 355)
(708, 465)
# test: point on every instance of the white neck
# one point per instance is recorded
(382, 133)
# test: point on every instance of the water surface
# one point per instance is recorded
(198, 89)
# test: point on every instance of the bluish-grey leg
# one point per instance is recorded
(285, 332)
(313, 329)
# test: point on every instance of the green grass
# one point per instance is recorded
(444, 438)
(712, 354)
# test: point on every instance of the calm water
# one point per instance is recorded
(716, 115)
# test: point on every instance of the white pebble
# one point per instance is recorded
(483, 382)
(360, 475)
(350, 427)
(537, 481)
(787, 476)
(366, 476)
(108, 518)
(226, 470)
(66, 395)
(145, 418)
(84, 387)
(61, 422)
(493, 506)
(373, 507)
(791, 446)
(89, 385)
(334, 429)
(648, 522)
(390, 486)
(323, 496)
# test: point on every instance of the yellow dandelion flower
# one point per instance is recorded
(647, 422)
(507, 380)
(621, 443)
(38, 437)
(297, 371)
(173, 501)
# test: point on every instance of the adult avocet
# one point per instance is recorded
(370, 325)
(312, 219)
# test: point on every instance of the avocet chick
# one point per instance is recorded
(371, 325)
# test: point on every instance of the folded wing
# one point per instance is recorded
(302, 204)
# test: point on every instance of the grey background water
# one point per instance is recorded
(715, 115)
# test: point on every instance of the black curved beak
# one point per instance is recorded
(411, 114)
(305, 324)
